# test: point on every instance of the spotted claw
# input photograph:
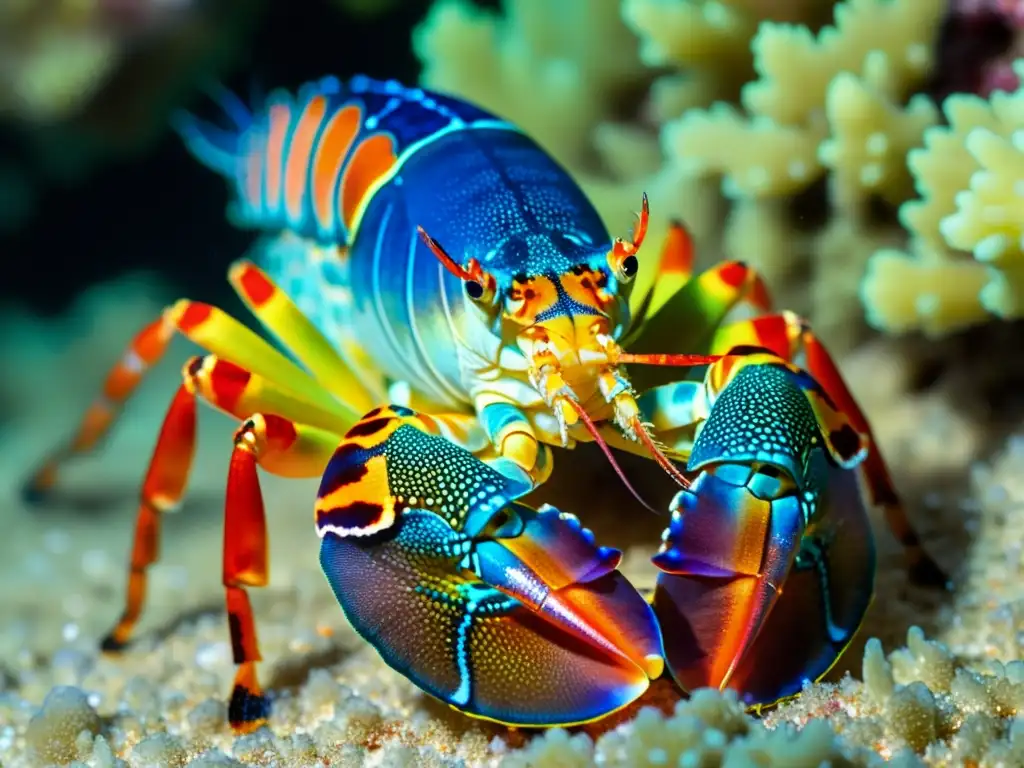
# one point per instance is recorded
(504, 612)
(768, 564)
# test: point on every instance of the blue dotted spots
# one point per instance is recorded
(762, 416)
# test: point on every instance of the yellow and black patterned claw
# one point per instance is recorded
(394, 459)
(503, 612)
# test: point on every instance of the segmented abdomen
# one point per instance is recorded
(310, 163)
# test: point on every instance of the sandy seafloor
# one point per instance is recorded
(335, 703)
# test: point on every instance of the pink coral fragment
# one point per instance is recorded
(1011, 11)
(977, 19)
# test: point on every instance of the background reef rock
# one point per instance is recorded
(863, 154)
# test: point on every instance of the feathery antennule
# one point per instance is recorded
(592, 429)
(644, 436)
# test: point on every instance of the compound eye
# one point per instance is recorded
(622, 257)
(480, 285)
(624, 265)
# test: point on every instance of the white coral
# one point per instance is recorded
(971, 202)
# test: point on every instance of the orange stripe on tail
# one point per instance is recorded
(280, 117)
(254, 174)
(372, 159)
(299, 150)
(329, 161)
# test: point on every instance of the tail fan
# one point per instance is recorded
(216, 146)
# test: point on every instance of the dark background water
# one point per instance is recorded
(161, 211)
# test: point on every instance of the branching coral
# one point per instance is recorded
(557, 70)
(968, 177)
(837, 104)
(569, 75)
(708, 42)
(846, 105)
(842, 87)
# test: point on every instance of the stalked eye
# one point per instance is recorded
(480, 286)
(622, 257)
(624, 264)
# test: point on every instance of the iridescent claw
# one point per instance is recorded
(768, 563)
(504, 612)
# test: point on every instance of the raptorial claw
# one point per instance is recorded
(746, 603)
(753, 595)
(504, 612)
